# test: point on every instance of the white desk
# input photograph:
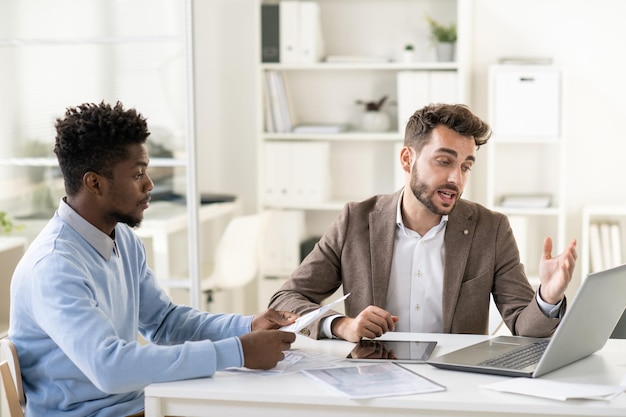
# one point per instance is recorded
(234, 394)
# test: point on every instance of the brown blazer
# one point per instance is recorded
(481, 258)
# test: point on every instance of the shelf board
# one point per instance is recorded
(352, 66)
(345, 136)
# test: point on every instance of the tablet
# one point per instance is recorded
(404, 351)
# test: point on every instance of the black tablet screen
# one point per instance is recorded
(392, 350)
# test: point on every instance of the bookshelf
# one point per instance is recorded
(596, 242)
(366, 41)
(526, 157)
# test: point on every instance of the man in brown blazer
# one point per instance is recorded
(422, 259)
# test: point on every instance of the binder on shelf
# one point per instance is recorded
(298, 32)
(289, 36)
(311, 45)
(311, 167)
(270, 47)
(297, 172)
(278, 163)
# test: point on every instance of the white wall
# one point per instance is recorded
(586, 40)
(226, 59)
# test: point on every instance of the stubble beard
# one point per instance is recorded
(127, 219)
(426, 196)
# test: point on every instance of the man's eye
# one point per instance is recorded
(467, 168)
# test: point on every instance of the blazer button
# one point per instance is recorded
(305, 332)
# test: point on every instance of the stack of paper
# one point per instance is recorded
(370, 381)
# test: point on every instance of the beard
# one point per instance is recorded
(127, 219)
(426, 195)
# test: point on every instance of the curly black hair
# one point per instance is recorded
(457, 117)
(95, 137)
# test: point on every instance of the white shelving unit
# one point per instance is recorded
(526, 156)
(358, 164)
(104, 51)
(610, 214)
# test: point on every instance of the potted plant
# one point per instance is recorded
(6, 224)
(409, 53)
(374, 119)
(444, 38)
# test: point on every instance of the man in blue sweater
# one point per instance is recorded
(83, 291)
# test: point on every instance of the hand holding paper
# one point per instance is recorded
(311, 316)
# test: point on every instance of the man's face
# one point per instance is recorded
(128, 193)
(441, 169)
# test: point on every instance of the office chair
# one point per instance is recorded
(12, 379)
(236, 257)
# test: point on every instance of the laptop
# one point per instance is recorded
(584, 329)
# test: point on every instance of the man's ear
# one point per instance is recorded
(92, 182)
(406, 158)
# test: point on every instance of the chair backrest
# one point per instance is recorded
(12, 377)
(236, 258)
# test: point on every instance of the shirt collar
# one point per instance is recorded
(94, 236)
(400, 221)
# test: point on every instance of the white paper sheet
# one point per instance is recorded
(303, 321)
(371, 381)
(556, 390)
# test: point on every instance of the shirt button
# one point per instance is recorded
(418, 274)
(418, 307)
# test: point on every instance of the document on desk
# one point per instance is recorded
(374, 380)
(556, 390)
(303, 321)
(296, 361)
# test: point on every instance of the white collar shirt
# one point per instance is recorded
(416, 282)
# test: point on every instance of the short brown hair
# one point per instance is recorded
(457, 117)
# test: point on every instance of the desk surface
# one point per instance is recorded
(234, 394)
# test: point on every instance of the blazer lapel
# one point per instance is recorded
(457, 241)
(382, 232)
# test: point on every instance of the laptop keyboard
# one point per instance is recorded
(520, 358)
